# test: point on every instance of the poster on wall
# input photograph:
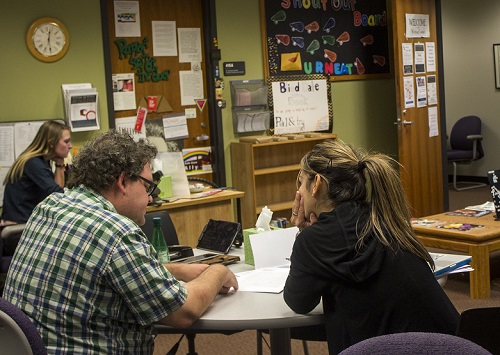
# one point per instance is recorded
(300, 104)
(341, 39)
(197, 160)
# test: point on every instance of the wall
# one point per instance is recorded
(469, 31)
(31, 90)
(364, 111)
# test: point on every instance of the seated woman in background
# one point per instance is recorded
(30, 179)
(358, 253)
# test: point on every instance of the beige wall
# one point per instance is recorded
(469, 31)
(364, 111)
(30, 89)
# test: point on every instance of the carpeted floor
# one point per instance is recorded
(456, 287)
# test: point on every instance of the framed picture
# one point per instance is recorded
(496, 63)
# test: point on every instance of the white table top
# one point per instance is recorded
(239, 310)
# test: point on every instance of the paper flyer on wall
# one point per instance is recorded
(81, 107)
(124, 91)
(197, 160)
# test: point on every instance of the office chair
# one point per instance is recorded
(305, 334)
(10, 236)
(171, 238)
(481, 326)
(18, 335)
(415, 343)
(465, 144)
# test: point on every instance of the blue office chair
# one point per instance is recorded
(18, 335)
(415, 343)
(465, 144)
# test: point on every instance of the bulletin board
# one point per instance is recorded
(345, 40)
(159, 75)
(300, 104)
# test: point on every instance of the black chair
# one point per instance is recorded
(415, 343)
(10, 236)
(171, 238)
(305, 334)
(465, 144)
(481, 326)
(18, 335)
(167, 227)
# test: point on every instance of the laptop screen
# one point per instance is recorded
(218, 236)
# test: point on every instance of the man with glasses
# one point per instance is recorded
(86, 274)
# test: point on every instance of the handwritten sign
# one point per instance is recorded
(300, 105)
(417, 26)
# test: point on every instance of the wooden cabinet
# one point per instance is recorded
(267, 173)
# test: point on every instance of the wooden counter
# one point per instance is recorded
(190, 215)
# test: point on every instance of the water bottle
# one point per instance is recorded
(159, 242)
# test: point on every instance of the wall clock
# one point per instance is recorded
(47, 39)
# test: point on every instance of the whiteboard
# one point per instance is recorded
(301, 104)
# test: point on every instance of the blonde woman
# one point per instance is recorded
(357, 251)
(30, 179)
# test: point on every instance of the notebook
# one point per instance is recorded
(448, 262)
(217, 238)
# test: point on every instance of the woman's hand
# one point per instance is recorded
(298, 218)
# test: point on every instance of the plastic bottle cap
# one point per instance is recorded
(157, 221)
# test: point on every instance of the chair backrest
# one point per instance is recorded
(415, 343)
(465, 126)
(10, 236)
(482, 326)
(167, 225)
(18, 335)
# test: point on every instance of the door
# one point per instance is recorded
(161, 75)
(419, 154)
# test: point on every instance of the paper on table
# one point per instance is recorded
(270, 280)
(273, 248)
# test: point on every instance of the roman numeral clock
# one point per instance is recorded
(47, 39)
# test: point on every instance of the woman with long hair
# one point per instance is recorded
(30, 179)
(357, 252)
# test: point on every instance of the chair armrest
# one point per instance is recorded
(475, 137)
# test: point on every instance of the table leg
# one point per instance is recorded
(280, 341)
(480, 277)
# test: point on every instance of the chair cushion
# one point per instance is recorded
(459, 155)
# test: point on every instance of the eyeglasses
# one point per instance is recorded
(151, 185)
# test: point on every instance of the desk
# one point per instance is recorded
(190, 215)
(249, 310)
(478, 243)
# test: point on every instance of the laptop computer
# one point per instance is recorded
(217, 239)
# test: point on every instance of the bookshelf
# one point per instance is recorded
(267, 173)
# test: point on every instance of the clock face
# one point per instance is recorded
(49, 39)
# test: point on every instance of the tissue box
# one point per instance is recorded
(247, 247)
(165, 186)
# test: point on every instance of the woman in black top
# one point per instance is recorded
(30, 179)
(358, 253)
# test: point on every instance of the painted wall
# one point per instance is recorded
(469, 31)
(30, 89)
(364, 111)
